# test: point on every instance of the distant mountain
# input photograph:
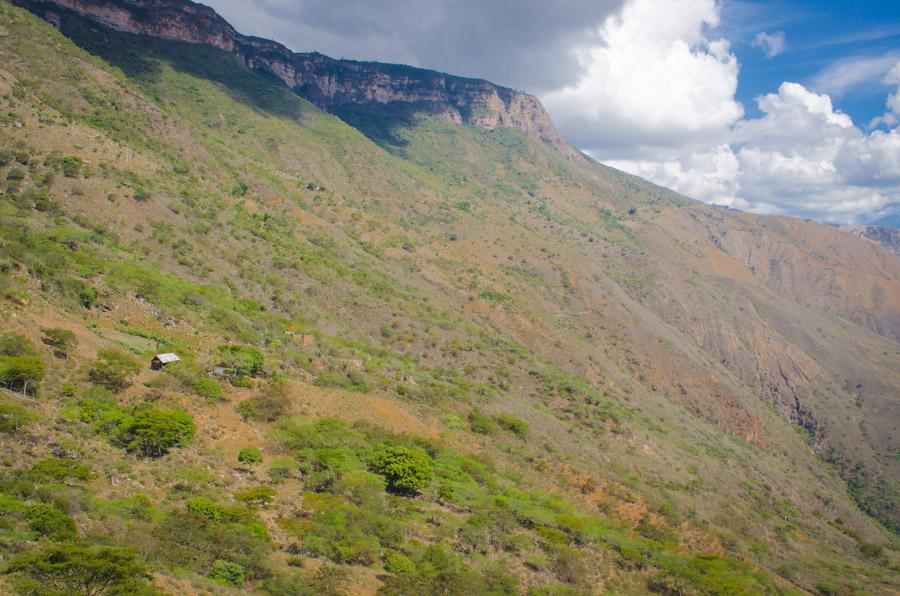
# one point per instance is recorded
(888, 216)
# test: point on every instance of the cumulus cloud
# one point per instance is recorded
(711, 174)
(801, 157)
(654, 79)
(771, 44)
(657, 99)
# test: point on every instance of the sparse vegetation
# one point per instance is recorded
(432, 338)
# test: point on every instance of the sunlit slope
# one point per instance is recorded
(656, 366)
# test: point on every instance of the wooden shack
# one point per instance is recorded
(160, 360)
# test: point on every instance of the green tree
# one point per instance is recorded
(406, 470)
(151, 432)
(61, 340)
(13, 344)
(87, 570)
(21, 372)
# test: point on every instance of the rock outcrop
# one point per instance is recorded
(327, 82)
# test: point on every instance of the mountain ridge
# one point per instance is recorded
(325, 81)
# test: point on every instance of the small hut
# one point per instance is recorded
(160, 360)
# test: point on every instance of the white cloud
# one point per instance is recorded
(771, 44)
(712, 174)
(657, 99)
(845, 75)
(892, 116)
(654, 78)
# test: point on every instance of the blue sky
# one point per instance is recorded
(818, 35)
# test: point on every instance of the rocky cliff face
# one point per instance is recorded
(329, 83)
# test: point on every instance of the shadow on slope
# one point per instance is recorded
(140, 57)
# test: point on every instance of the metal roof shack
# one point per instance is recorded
(160, 360)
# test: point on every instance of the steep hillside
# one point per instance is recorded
(470, 362)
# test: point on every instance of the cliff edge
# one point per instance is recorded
(329, 83)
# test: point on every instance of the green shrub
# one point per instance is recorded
(398, 563)
(828, 588)
(282, 468)
(88, 296)
(269, 405)
(480, 423)
(256, 495)
(14, 418)
(48, 521)
(871, 551)
(242, 381)
(113, 370)
(243, 360)
(60, 469)
(71, 166)
(61, 340)
(250, 456)
(247, 409)
(205, 508)
(209, 389)
(514, 425)
(16, 174)
(227, 573)
(406, 470)
(151, 431)
(71, 569)
(141, 194)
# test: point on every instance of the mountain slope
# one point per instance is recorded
(677, 366)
